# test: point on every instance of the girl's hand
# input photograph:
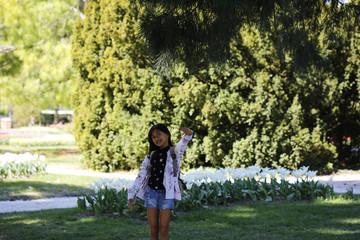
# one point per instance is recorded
(131, 204)
(187, 131)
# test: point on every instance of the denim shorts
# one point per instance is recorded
(156, 199)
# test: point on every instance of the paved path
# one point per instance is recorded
(58, 202)
(37, 204)
(341, 184)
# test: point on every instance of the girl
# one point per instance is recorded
(156, 182)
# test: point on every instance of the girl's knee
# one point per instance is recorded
(154, 230)
(164, 230)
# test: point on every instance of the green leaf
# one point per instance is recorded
(290, 197)
(268, 199)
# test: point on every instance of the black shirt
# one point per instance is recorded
(158, 162)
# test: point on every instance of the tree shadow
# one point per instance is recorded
(65, 224)
(279, 220)
(25, 189)
(289, 220)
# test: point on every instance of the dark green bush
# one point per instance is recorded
(252, 110)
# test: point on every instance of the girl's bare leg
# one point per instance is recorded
(153, 219)
(165, 215)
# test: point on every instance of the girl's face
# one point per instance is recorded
(160, 138)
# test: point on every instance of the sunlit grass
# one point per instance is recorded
(339, 232)
(38, 129)
(350, 221)
(36, 149)
(67, 161)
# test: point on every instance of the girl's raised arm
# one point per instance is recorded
(181, 146)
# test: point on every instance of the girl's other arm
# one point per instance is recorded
(145, 166)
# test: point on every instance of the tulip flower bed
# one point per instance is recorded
(21, 164)
(213, 188)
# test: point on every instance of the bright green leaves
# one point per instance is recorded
(37, 70)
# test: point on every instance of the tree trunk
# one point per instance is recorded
(56, 116)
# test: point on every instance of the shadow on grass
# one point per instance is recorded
(335, 219)
(66, 224)
(291, 220)
(49, 185)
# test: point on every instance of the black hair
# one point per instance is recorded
(160, 127)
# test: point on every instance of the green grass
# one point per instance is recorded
(70, 161)
(45, 185)
(49, 185)
(63, 158)
(37, 149)
(336, 219)
(333, 219)
(49, 130)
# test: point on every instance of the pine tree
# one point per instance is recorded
(199, 32)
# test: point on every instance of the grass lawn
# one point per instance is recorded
(45, 185)
(48, 185)
(44, 150)
(332, 219)
(65, 160)
(38, 129)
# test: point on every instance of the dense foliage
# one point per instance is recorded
(35, 56)
(200, 32)
(255, 110)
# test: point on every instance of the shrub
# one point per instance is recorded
(254, 109)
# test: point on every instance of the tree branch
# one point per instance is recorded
(7, 48)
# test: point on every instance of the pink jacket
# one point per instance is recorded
(170, 182)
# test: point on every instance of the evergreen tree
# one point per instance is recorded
(199, 32)
(256, 109)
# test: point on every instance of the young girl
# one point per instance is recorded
(160, 189)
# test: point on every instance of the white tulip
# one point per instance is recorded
(273, 173)
(311, 174)
(263, 174)
(297, 173)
